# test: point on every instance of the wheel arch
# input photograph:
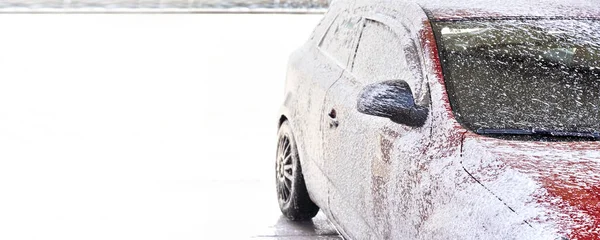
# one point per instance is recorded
(282, 118)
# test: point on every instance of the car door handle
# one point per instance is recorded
(333, 121)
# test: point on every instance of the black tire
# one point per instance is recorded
(292, 195)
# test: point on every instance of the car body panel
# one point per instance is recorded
(552, 185)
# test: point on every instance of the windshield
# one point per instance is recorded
(522, 74)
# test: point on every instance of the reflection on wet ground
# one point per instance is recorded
(317, 228)
(247, 209)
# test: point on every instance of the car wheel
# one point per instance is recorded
(292, 195)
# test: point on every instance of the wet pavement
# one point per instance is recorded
(258, 217)
(247, 209)
(144, 126)
(318, 228)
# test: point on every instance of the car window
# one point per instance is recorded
(541, 74)
(318, 29)
(385, 54)
(380, 55)
(340, 40)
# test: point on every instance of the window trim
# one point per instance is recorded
(325, 33)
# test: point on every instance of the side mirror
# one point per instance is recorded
(393, 100)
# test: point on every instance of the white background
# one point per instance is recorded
(140, 126)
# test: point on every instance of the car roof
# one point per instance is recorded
(498, 9)
(452, 9)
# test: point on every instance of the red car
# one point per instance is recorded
(446, 120)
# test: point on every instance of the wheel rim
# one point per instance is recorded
(284, 169)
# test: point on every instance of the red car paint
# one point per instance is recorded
(563, 170)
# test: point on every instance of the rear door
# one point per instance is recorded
(324, 65)
(335, 49)
(359, 149)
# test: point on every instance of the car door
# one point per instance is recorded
(323, 65)
(362, 151)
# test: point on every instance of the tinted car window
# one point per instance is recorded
(380, 55)
(340, 40)
(525, 75)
